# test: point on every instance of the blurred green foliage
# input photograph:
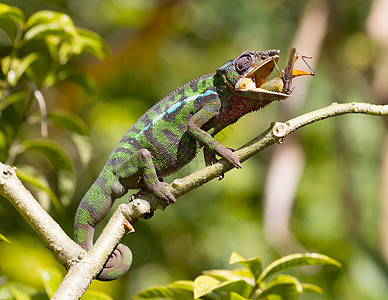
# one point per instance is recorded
(157, 46)
(249, 282)
(36, 53)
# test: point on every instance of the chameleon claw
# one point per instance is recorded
(231, 158)
(236, 163)
(163, 192)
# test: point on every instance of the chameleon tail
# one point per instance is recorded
(91, 210)
(117, 265)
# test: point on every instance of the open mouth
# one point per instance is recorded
(255, 80)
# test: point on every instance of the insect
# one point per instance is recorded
(283, 83)
(289, 73)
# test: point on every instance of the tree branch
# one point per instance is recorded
(54, 238)
(84, 266)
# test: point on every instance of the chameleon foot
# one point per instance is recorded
(229, 155)
(232, 158)
(162, 190)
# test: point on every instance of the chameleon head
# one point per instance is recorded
(248, 75)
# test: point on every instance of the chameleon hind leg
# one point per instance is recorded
(141, 163)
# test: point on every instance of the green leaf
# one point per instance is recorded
(252, 264)
(230, 275)
(39, 70)
(52, 43)
(18, 294)
(49, 23)
(235, 258)
(285, 279)
(8, 31)
(91, 42)
(5, 292)
(235, 296)
(51, 150)
(19, 67)
(12, 98)
(3, 238)
(62, 38)
(51, 279)
(5, 64)
(12, 12)
(311, 288)
(287, 287)
(95, 295)
(24, 63)
(240, 287)
(58, 31)
(14, 68)
(162, 292)
(203, 285)
(50, 17)
(296, 260)
(286, 291)
(44, 30)
(11, 22)
(79, 131)
(66, 50)
(69, 121)
(187, 285)
(61, 162)
(30, 176)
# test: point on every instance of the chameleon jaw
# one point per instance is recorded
(256, 78)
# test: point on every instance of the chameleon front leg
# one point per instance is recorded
(210, 110)
(141, 163)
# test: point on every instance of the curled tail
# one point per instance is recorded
(92, 209)
(117, 265)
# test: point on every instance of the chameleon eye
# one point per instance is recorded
(243, 63)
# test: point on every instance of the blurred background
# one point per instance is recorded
(324, 189)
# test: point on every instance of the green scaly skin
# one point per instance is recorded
(169, 135)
